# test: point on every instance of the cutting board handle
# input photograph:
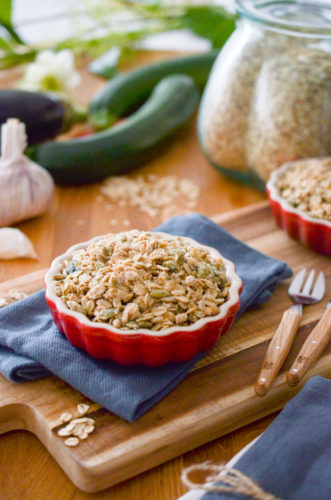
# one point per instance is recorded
(39, 412)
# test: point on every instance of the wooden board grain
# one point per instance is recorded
(215, 398)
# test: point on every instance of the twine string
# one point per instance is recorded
(233, 481)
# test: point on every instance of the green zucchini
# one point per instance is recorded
(126, 145)
(126, 92)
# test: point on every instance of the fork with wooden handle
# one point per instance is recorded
(313, 347)
(301, 293)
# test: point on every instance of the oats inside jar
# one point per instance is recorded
(306, 185)
(143, 280)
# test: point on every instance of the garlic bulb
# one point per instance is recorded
(26, 189)
(14, 244)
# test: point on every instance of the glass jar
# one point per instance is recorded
(268, 97)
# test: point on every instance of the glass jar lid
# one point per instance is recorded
(310, 18)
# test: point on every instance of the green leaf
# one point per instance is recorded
(10, 58)
(5, 12)
(213, 23)
(5, 45)
(6, 22)
(151, 16)
(107, 64)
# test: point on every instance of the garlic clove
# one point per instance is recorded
(14, 244)
(26, 189)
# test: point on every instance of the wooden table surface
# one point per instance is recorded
(27, 471)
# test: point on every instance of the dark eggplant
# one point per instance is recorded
(45, 115)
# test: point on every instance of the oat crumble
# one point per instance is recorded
(307, 186)
(141, 280)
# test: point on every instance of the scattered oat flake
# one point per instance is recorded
(64, 432)
(66, 417)
(113, 222)
(70, 427)
(15, 294)
(126, 223)
(80, 222)
(72, 441)
(89, 428)
(79, 428)
(3, 302)
(155, 196)
(83, 420)
(83, 408)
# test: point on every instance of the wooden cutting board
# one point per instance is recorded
(216, 397)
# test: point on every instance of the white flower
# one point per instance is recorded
(51, 72)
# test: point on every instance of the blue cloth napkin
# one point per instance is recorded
(292, 459)
(31, 346)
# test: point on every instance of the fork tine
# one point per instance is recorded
(319, 288)
(296, 284)
(308, 285)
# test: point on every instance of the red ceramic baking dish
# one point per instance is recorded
(312, 232)
(143, 346)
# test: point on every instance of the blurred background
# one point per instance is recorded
(49, 21)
